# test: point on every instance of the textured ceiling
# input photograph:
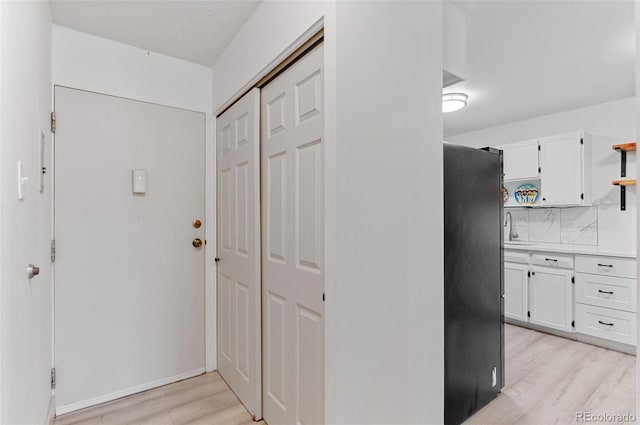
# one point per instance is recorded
(196, 31)
(533, 57)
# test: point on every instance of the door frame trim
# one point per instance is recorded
(312, 37)
(280, 62)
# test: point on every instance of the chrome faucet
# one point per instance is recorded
(508, 221)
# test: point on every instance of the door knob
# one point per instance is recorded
(197, 243)
(32, 271)
(196, 223)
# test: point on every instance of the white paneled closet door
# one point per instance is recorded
(293, 243)
(238, 293)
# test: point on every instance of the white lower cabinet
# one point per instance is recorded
(516, 288)
(551, 298)
(593, 296)
(606, 291)
(607, 323)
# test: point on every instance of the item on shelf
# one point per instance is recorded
(526, 194)
(505, 195)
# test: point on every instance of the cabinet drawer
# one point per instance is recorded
(608, 266)
(516, 257)
(561, 261)
(605, 323)
(606, 291)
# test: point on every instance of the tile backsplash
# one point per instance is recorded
(575, 226)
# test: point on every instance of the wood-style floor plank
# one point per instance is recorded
(548, 379)
(205, 399)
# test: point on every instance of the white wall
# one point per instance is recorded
(25, 226)
(609, 123)
(383, 168)
(389, 272)
(92, 63)
(637, 106)
(454, 50)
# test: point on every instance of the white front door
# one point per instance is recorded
(238, 177)
(129, 284)
(293, 243)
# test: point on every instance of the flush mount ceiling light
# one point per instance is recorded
(453, 101)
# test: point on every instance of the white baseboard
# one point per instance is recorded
(72, 407)
(51, 413)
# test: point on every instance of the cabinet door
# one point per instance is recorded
(561, 159)
(520, 160)
(551, 298)
(516, 284)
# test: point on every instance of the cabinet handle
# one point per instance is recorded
(551, 259)
(605, 265)
(605, 292)
(604, 323)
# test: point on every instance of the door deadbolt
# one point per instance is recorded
(32, 271)
(197, 243)
(196, 223)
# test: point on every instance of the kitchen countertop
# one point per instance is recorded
(572, 249)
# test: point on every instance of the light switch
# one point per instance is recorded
(139, 181)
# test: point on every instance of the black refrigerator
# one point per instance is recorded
(473, 280)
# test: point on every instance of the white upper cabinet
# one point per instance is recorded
(559, 167)
(521, 160)
(566, 170)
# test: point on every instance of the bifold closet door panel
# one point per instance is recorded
(293, 243)
(238, 248)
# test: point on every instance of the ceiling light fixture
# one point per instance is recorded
(453, 102)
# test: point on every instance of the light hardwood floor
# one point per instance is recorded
(548, 380)
(205, 399)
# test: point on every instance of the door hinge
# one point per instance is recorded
(529, 273)
(53, 122)
(573, 323)
(539, 148)
(582, 196)
(539, 169)
(528, 314)
(581, 141)
(323, 297)
(53, 378)
(53, 250)
(573, 279)
(217, 260)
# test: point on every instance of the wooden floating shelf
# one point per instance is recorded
(628, 182)
(623, 190)
(625, 147)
